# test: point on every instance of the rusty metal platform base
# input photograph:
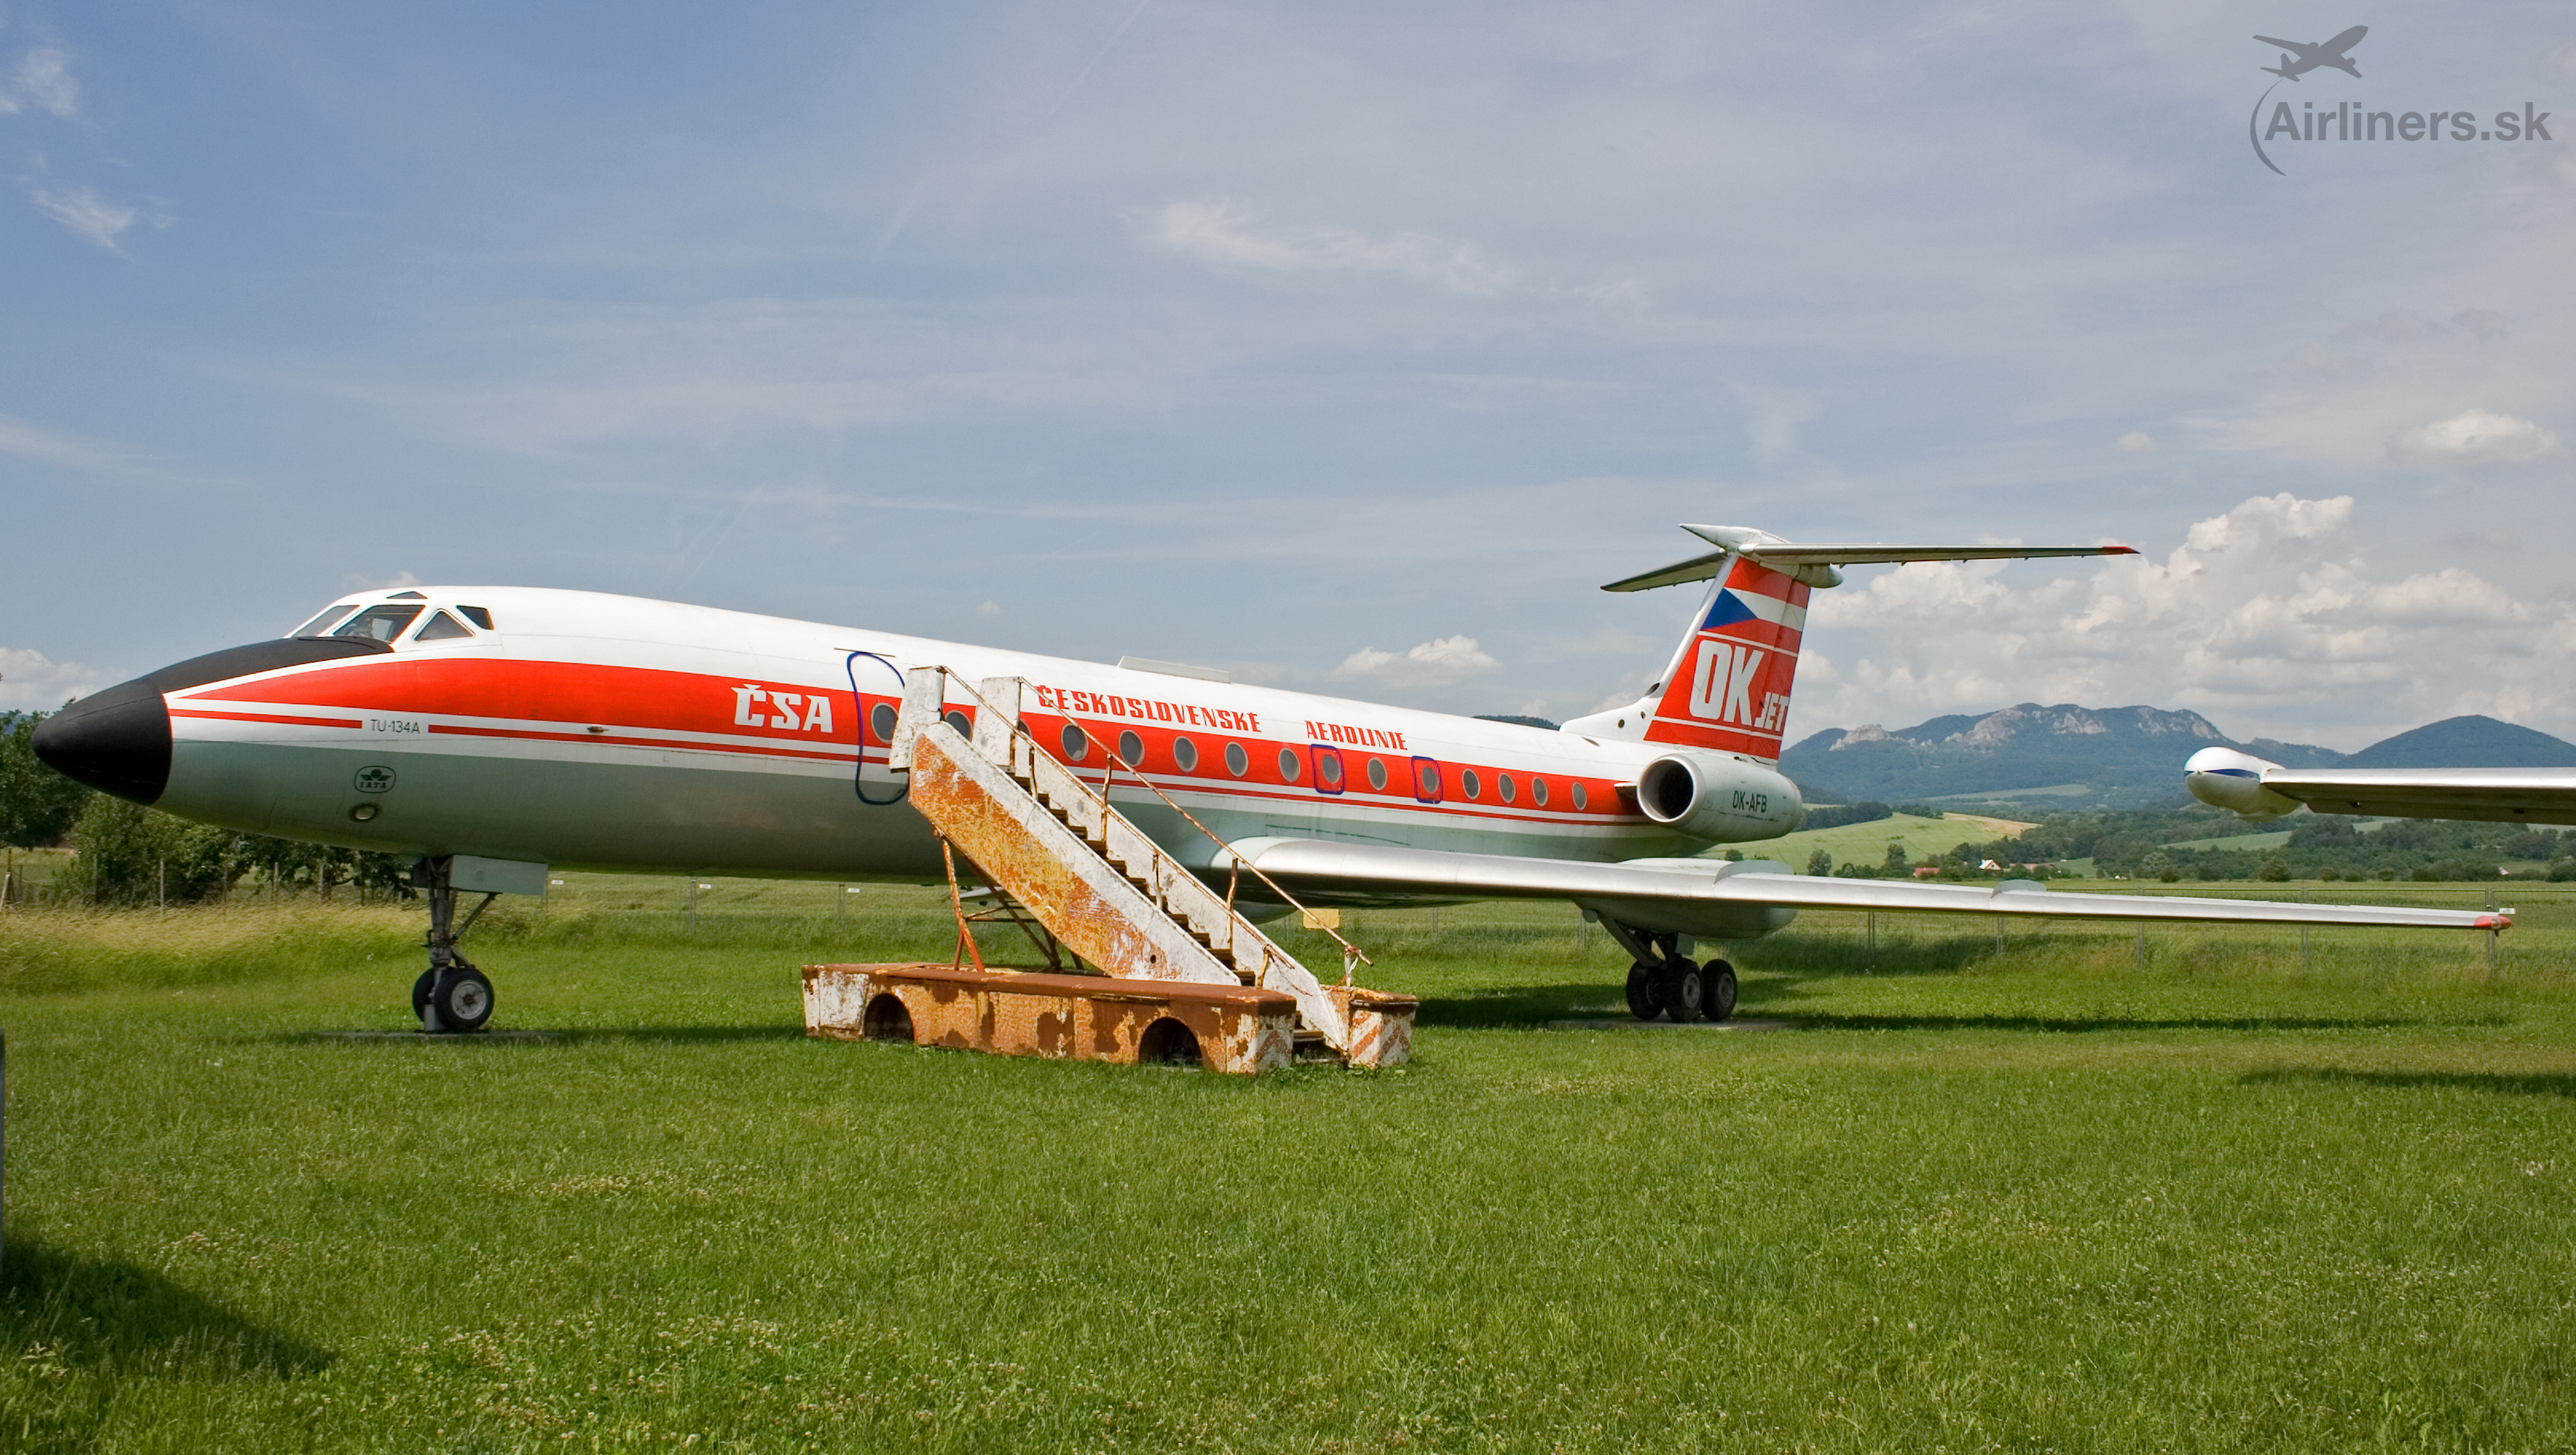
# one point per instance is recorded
(1238, 1029)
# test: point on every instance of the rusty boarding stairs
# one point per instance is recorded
(1114, 898)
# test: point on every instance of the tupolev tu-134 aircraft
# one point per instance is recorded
(495, 732)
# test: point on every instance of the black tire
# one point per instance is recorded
(463, 999)
(420, 994)
(1682, 988)
(1644, 1000)
(1717, 990)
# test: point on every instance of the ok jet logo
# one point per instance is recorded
(1722, 687)
(758, 706)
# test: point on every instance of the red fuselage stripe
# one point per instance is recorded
(626, 742)
(335, 722)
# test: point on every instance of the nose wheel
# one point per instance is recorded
(451, 997)
(459, 997)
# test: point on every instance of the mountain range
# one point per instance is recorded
(2069, 757)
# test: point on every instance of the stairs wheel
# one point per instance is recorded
(1168, 1043)
(1644, 1000)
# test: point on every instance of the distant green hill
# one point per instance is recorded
(2467, 742)
(2066, 758)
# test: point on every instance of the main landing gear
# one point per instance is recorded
(451, 997)
(1666, 982)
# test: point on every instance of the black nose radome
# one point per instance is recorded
(118, 741)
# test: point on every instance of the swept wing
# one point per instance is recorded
(1688, 894)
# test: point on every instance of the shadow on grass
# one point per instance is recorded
(61, 1308)
(1516, 1005)
(543, 1035)
(2079, 1025)
(2525, 1085)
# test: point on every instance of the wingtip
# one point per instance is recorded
(2119, 550)
(2494, 922)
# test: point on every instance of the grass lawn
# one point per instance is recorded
(1975, 1198)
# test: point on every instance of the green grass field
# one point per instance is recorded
(2027, 1197)
(1866, 843)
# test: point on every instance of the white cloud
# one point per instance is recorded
(2267, 618)
(2474, 436)
(989, 608)
(360, 581)
(87, 214)
(42, 81)
(1212, 231)
(2138, 442)
(1438, 663)
(29, 680)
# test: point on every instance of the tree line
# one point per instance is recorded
(126, 854)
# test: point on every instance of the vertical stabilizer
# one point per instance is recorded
(1727, 689)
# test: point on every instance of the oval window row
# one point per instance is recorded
(1130, 749)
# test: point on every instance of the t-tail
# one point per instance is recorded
(1727, 687)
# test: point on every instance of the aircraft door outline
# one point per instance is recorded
(858, 709)
(1327, 763)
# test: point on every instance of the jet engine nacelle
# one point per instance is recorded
(1718, 798)
(2226, 778)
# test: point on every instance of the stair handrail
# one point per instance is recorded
(1352, 957)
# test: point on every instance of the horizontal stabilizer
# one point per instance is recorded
(1782, 555)
(2492, 795)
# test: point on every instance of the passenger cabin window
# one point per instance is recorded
(476, 615)
(322, 624)
(384, 623)
(441, 627)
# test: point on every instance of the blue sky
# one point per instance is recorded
(1346, 347)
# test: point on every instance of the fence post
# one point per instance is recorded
(1873, 942)
(693, 900)
(840, 904)
(2306, 960)
(2142, 944)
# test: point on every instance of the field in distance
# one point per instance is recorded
(2073, 1189)
(1866, 843)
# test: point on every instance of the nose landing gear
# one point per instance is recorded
(451, 997)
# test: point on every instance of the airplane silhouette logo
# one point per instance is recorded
(2297, 60)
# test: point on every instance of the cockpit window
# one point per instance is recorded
(476, 615)
(320, 624)
(441, 627)
(384, 623)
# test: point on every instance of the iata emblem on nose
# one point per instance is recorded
(374, 778)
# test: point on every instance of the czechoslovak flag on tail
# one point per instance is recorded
(1729, 687)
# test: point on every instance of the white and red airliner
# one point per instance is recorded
(494, 732)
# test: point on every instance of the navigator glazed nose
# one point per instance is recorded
(116, 741)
